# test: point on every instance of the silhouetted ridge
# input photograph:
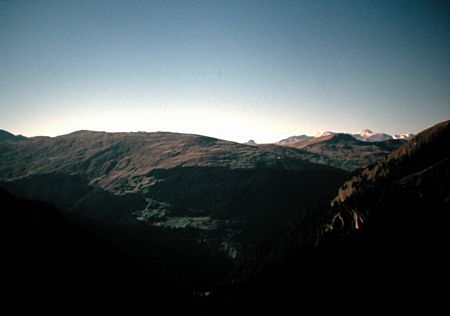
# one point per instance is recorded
(5, 135)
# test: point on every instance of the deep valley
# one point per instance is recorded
(199, 215)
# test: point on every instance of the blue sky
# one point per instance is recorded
(236, 70)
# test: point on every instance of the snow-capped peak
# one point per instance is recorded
(404, 136)
(366, 133)
(324, 133)
(293, 139)
(368, 136)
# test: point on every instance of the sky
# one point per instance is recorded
(236, 70)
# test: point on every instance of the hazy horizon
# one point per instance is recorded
(177, 132)
(234, 70)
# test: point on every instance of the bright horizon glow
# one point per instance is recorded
(235, 70)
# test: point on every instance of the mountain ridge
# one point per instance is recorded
(5, 136)
(127, 158)
(366, 135)
(344, 151)
(221, 193)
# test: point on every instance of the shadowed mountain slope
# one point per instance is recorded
(4, 135)
(380, 248)
(345, 151)
(49, 262)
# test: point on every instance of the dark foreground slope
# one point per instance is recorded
(381, 248)
(48, 262)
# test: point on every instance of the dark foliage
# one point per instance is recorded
(395, 265)
(178, 258)
(49, 262)
(245, 193)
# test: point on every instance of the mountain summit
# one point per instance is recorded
(369, 136)
(324, 133)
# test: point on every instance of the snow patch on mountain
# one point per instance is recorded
(324, 133)
(365, 135)
(368, 136)
(403, 136)
(293, 139)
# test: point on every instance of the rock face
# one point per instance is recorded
(378, 247)
(251, 142)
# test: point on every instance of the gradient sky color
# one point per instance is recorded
(236, 70)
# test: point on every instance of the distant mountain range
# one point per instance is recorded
(341, 150)
(365, 135)
(345, 151)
